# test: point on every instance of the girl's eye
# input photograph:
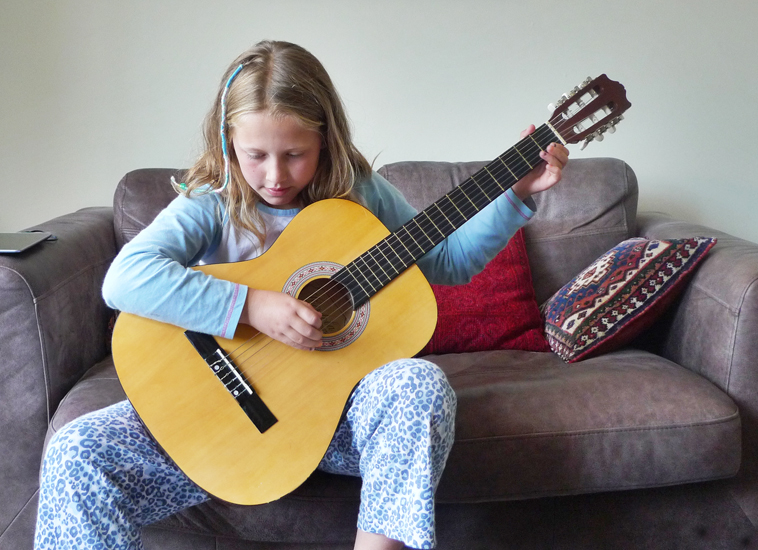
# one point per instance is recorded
(255, 156)
(295, 154)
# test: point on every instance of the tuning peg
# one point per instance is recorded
(611, 129)
(551, 107)
(599, 136)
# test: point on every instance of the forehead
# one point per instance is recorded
(266, 127)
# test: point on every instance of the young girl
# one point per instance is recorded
(277, 139)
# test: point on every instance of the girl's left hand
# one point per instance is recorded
(546, 175)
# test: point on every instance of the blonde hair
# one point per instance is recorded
(282, 79)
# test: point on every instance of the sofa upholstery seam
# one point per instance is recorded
(83, 271)
(585, 433)
(734, 310)
(120, 190)
(625, 167)
(579, 233)
(586, 491)
(40, 338)
(738, 316)
(21, 511)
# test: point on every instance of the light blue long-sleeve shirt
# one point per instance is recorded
(150, 277)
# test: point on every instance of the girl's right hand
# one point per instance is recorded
(283, 318)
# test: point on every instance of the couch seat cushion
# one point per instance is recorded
(528, 425)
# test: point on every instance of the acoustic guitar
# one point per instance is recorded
(249, 419)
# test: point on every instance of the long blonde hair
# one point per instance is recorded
(284, 79)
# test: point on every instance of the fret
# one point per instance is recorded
(495, 179)
(475, 190)
(416, 221)
(371, 271)
(450, 200)
(476, 193)
(473, 178)
(536, 142)
(500, 158)
(397, 271)
(421, 248)
(356, 279)
(425, 213)
(445, 216)
(523, 157)
(441, 223)
(377, 262)
(368, 270)
(393, 262)
(401, 242)
(460, 188)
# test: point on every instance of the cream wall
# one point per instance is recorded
(90, 89)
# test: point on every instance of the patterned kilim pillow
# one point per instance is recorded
(619, 295)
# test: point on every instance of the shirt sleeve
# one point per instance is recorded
(467, 250)
(151, 275)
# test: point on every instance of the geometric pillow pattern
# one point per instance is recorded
(619, 295)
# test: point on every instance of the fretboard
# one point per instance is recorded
(379, 265)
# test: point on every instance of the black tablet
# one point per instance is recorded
(11, 243)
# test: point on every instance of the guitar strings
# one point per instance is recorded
(533, 150)
(435, 219)
(369, 256)
(328, 292)
(510, 155)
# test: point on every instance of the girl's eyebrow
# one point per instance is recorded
(286, 150)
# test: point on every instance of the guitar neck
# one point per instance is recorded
(379, 265)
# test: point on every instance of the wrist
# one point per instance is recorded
(245, 317)
(521, 190)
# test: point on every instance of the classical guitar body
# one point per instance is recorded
(249, 419)
(198, 422)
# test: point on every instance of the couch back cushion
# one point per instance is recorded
(590, 211)
(140, 196)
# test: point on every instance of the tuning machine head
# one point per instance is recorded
(597, 135)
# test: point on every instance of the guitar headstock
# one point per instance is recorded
(590, 110)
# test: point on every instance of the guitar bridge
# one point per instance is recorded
(233, 380)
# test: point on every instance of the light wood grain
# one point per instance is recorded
(202, 427)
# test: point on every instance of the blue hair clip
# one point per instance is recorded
(224, 147)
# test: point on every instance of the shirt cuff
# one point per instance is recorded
(235, 311)
(526, 209)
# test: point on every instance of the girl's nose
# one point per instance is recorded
(275, 171)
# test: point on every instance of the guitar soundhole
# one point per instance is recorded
(332, 299)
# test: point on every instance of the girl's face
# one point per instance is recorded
(277, 155)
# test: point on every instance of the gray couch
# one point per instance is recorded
(651, 446)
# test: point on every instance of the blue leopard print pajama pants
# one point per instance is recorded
(103, 477)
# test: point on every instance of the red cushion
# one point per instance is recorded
(496, 310)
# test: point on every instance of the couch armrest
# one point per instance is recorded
(713, 325)
(53, 327)
(713, 331)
